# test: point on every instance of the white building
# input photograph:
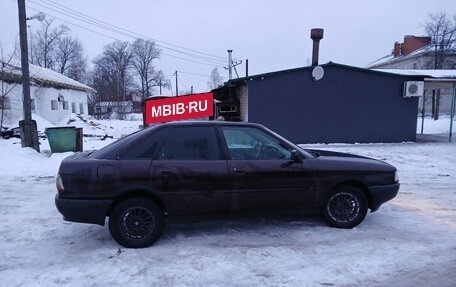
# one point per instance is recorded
(107, 109)
(419, 53)
(53, 96)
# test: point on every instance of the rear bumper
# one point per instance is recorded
(382, 194)
(83, 210)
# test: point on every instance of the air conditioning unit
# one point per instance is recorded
(413, 89)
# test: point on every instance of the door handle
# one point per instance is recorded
(166, 173)
(239, 172)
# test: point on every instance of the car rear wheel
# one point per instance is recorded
(345, 207)
(136, 223)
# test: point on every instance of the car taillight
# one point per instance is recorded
(396, 176)
(59, 183)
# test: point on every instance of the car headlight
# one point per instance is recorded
(396, 176)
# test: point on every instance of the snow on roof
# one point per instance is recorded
(438, 74)
(42, 76)
(390, 57)
(114, 103)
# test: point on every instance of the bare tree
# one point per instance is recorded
(45, 42)
(53, 48)
(112, 77)
(215, 80)
(442, 31)
(143, 54)
(69, 59)
(7, 84)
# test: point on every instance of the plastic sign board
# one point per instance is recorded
(179, 108)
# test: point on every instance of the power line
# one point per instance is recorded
(131, 32)
(82, 27)
(193, 74)
(207, 59)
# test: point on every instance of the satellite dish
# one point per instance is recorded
(318, 73)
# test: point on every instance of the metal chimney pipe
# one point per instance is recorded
(316, 35)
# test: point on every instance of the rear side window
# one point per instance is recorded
(113, 149)
(190, 143)
(146, 147)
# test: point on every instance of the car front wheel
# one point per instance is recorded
(136, 223)
(345, 207)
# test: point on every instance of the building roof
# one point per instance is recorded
(436, 74)
(114, 104)
(41, 77)
(391, 58)
(307, 68)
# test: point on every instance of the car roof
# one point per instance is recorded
(208, 122)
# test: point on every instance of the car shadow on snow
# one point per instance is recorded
(237, 227)
(231, 231)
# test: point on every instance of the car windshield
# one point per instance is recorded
(306, 153)
(112, 148)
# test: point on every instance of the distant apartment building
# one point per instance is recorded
(420, 53)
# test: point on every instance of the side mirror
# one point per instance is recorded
(295, 157)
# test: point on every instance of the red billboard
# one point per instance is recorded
(178, 108)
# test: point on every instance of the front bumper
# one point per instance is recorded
(83, 210)
(381, 194)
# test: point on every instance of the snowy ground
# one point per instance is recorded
(410, 241)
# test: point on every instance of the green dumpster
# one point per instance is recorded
(63, 139)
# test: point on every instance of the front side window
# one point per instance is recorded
(190, 143)
(247, 143)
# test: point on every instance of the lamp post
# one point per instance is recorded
(28, 129)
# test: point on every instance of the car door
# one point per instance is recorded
(263, 176)
(190, 173)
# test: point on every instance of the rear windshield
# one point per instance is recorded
(114, 148)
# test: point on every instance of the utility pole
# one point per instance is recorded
(177, 93)
(232, 65)
(28, 128)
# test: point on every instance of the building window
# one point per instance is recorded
(73, 108)
(54, 105)
(228, 109)
(81, 108)
(65, 105)
(5, 103)
(32, 104)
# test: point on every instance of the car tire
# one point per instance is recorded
(344, 207)
(136, 223)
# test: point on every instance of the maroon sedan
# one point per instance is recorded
(205, 168)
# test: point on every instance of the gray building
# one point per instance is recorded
(331, 103)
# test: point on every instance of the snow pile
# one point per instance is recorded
(408, 241)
